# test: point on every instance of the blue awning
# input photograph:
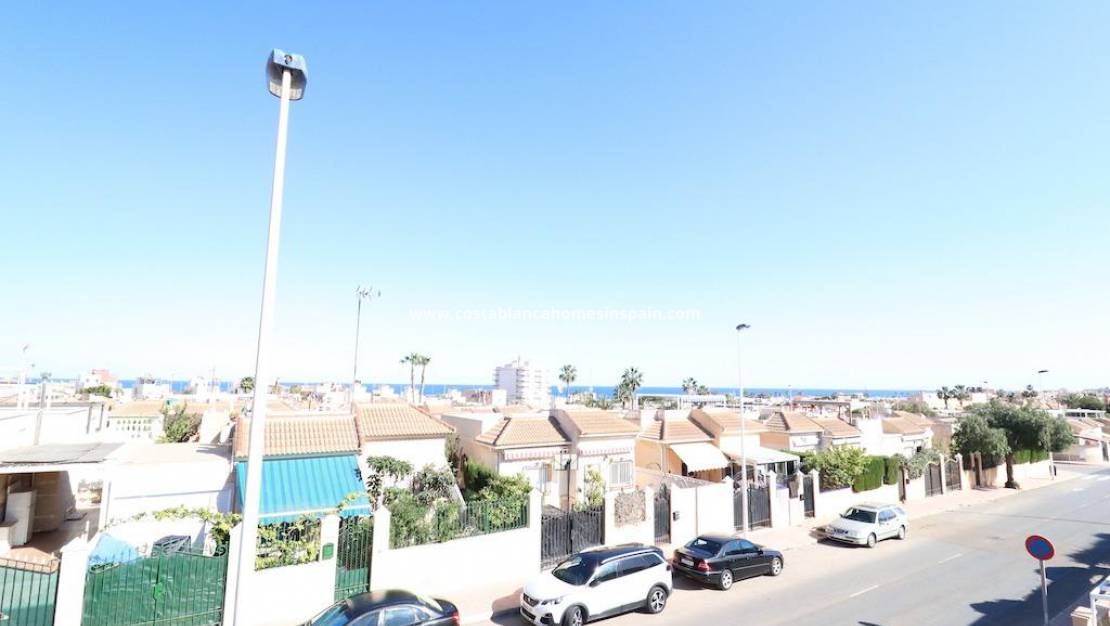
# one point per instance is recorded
(306, 486)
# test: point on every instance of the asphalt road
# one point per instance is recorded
(964, 567)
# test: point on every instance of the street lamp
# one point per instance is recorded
(361, 294)
(743, 437)
(287, 76)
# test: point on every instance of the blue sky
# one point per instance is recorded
(894, 195)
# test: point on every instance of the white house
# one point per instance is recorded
(401, 431)
(523, 383)
(742, 440)
(837, 432)
(673, 443)
(146, 388)
(792, 431)
(148, 477)
(603, 440)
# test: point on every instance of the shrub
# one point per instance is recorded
(593, 490)
(179, 425)
(921, 460)
(475, 477)
(380, 468)
(872, 476)
(893, 469)
(839, 467)
(1029, 456)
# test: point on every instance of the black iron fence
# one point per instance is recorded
(413, 526)
(562, 533)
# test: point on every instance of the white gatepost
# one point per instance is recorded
(380, 545)
(649, 516)
(816, 493)
(943, 474)
(71, 582)
(329, 535)
(778, 516)
(231, 585)
(959, 459)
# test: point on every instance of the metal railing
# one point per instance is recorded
(445, 521)
(28, 590)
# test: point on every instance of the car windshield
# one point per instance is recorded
(334, 616)
(707, 546)
(430, 602)
(574, 571)
(859, 515)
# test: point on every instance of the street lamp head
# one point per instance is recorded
(740, 327)
(1042, 371)
(280, 61)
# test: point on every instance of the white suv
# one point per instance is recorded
(598, 583)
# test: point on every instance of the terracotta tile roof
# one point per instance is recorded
(836, 427)
(728, 421)
(913, 418)
(301, 435)
(901, 426)
(589, 423)
(523, 431)
(675, 431)
(792, 422)
(397, 421)
(138, 408)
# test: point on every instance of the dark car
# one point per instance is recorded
(720, 559)
(390, 607)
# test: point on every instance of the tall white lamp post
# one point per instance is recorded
(361, 293)
(287, 75)
(743, 436)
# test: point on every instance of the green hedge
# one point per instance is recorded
(893, 470)
(872, 476)
(1029, 456)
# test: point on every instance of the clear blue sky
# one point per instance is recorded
(894, 195)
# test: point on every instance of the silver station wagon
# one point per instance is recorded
(869, 523)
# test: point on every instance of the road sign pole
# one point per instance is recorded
(1044, 595)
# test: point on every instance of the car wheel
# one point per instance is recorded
(656, 600)
(871, 540)
(776, 566)
(902, 532)
(726, 580)
(574, 616)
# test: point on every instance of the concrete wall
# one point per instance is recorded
(829, 504)
(152, 487)
(640, 532)
(418, 452)
(435, 569)
(707, 508)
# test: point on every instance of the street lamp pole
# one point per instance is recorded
(287, 75)
(360, 294)
(743, 436)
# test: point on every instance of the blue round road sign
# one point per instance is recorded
(1039, 548)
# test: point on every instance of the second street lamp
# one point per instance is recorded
(287, 76)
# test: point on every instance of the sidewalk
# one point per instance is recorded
(794, 537)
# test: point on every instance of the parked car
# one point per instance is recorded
(869, 523)
(390, 607)
(598, 583)
(721, 559)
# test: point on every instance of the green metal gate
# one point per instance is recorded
(352, 567)
(166, 589)
(28, 590)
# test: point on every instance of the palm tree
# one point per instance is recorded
(689, 385)
(631, 380)
(412, 360)
(961, 393)
(423, 363)
(568, 374)
(944, 393)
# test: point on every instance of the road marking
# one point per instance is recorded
(863, 591)
(1102, 478)
(954, 556)
(1080, 489)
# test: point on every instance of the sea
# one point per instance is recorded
(437, 389)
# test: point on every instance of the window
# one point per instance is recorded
(574, 571)
(608, 571)
(399, 616)
(886, 516)
(638, 563)
(705, 546)
(620, 473)
(740, 546)
(370, 619)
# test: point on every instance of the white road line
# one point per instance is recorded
(1089, 477)
(1080, 489)
(954, 556)
(863, 591)
(1102, 478)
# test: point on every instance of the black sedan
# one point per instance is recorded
(389, 608)
(720, 559)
